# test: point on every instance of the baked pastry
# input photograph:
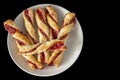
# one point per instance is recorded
(53, 22)
(28, 48)
(67, 25)
(21, 40)
(50, 47)
(43, 32)
(68, 22)
(51, 11)
(19, 36)
(32, 62)
(43, 29)
(29, 24)
(38, 48)
(55, 58)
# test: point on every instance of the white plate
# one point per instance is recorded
(74, 46)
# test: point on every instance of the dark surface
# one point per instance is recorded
(115, 4)
(115, 54)
(84, 67)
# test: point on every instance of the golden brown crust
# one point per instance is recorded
(52, 12)
(29, 25)
(43, 57)
(63, 34)
(11, 23)
(65, 30)
(68, 17)
(67, 25)
(32, 59)
(43, 29)
(27, 48)
(58, 60)
(53, 56)
(47, 55)
(53, 22)
(43, 47)
(18, 34)
(43, 32)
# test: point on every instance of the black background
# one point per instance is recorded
(115, 54)
(86, 65)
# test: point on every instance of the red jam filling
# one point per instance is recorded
(34, 41)
(72, 20)
(40, 15)
(56, 45)
(63, 37)
(53, 19)
(20, 42)
(33, 49)
(43, 33)
(51, 16)
(42, 57)
(54, 33)
(10, 29)
(27, 15)
(35, 66)
(51, 63)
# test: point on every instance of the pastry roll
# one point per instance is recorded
(43, 29)
(43, 32)
(21, 40)
(32, 61)
(67, 25)
(43, 57)
(20, 37)
(51, 11)
(55, 58)
(49, 45)
(58, 59)
(68, 22)
(53, 22)
(29, 24)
